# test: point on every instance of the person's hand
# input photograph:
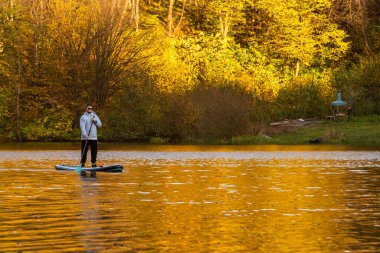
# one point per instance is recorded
(94, 120)
(86, 136)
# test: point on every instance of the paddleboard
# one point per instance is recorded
(109, 168)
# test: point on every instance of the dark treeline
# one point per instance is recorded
(182, 70)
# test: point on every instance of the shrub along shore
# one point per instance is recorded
(363, 130)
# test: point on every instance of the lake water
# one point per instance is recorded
(191, 199)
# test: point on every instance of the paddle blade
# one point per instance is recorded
(79, 168)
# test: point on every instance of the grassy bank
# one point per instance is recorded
(364, 130)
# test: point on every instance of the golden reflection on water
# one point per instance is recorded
(192, 201)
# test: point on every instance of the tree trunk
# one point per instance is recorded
(11, 4)
(17, 82)
(363, 19)
(170, 17)
(37, 12)
(18, 124)
(137, 15)
(224, 25)
(180, 20)
(297, 68)
(18, 91)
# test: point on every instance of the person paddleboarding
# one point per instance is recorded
(89, 123)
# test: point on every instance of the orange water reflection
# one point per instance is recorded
(195, 201)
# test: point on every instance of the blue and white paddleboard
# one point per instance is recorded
(109, 168)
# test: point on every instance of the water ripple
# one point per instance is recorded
(199, 201)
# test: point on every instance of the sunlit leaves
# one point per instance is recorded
(69, 52)
(208, 57)
(301, 31)
(170, 73)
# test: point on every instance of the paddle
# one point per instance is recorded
(79, 168)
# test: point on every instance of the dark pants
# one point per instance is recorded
(94, 150)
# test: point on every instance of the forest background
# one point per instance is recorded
(182, 70)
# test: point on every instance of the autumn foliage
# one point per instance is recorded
(182, 70)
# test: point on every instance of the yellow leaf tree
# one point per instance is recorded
(301, 33)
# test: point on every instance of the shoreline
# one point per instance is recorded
(360, 131)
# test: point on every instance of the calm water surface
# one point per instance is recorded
(192, 199)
